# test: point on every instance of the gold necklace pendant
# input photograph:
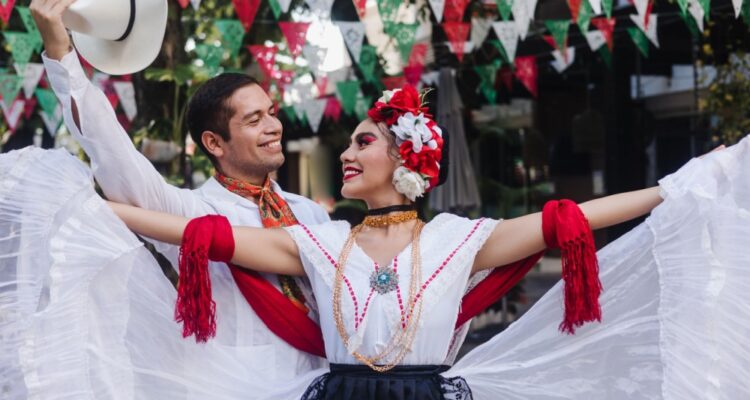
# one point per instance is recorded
(380, 221)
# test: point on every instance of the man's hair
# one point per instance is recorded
(209, 109)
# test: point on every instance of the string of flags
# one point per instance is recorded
(293, 67)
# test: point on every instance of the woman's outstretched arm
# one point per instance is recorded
(518, 238)
(260, 249)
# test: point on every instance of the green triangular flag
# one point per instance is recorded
(584, 17)
(404, 34)
(368, 60)
(505, 7)
(10, 85)
(487, 77)
(211, 56)
(232, 32)
(683, 5)
(640, 39)
(290, 113)
(503, 54)
(691, 24)
(559, 30)
(47, 101)
(746, 11)
(706, 5)
(275, 8)
(606, 56)
(362, 106)
(607, 7)
(388, 9)
(348, 92)
(21, 47)
(30, 25)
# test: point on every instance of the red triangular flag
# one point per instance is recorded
(526, 72)
(28, 107)
(607, 27)
(333, 109)
(183, 3)
(575, 6)
(454, 10)
(413, 73)
(295, 33)
(264, 56)
(360, 5)
(393, 82)
(246, 10)
(6, 9)
(321, 83)
(506, 76)
(418, 54)
(550, 41)
(283, 77)
(457, 33)
(111, 93)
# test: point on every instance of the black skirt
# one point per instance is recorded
(403, 382)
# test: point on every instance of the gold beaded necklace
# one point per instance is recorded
(381, 221)
(401, 341)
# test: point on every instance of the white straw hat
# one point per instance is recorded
(117, 36)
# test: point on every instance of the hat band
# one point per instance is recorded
(131, 21)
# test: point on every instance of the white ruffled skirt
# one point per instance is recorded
(86, 313)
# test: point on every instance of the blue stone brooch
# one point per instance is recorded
(384, 280)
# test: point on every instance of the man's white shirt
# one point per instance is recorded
(126, 176)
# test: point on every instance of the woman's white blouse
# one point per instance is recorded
(448, 246)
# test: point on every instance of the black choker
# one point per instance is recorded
(390, 209)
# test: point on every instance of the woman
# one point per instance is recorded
(389, 290)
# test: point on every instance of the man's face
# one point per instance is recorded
(254, 146)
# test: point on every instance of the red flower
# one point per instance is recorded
(426, 162)
(403, 101)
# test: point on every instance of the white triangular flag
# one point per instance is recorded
(561, 63)
(315, 56)
(284, 4)
(595, 39)
(596, 6)
(507, 32)
(13, 114)
(430, 78)
(196, 4)
(31, 77)
(321, 8)
(521, 17)
(353, 34)
(531, 6)
(314, 110)
(480, 28)
(437, 9)
(52, 122)
(126, 92)
(641, 6)
(696, 10)
(650, 31)
(737, 7)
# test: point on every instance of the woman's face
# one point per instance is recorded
(368, 164)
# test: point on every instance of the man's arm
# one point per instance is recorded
(124, 174)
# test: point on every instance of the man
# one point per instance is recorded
(233, 120)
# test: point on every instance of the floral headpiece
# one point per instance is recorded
(418, 136)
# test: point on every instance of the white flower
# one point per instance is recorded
(409, 183)
(414, 128)
(388, 95)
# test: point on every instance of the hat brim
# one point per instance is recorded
(134, 53)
